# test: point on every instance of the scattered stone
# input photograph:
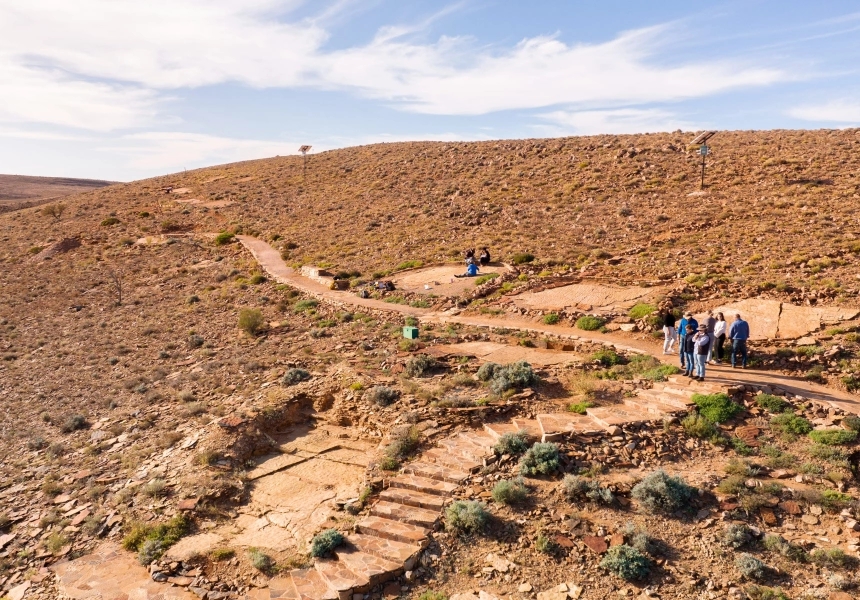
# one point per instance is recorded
(791, 507)
(524, 588)
(809, 519)
(596, 544)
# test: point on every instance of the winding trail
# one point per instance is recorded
(271, 262)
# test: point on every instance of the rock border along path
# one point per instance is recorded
(389, 541)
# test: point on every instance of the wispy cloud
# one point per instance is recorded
(623, 120)
(835, 111)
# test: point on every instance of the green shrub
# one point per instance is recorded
(251, 320)
(225, 237)
(790, 424)
(487, 371)
(466, 516)
(551, 319)
(660, 492)
(408, 264)
(485, 278)
(834, 500)
(580, 488)
(512, 443)
(626, 562)
(382, 395)
(580, 408)
(851, 422)
(260, 560)
(521, 258)
(716, 407)
(833, 557)
(760, 592)
(772, 403)
(420, 365)
(589, 323)
(74, 423)
(223, 553)
(695, 425)
(513, 376)
(326, 541)
(776, 543)
(510, 491)
(432, 595)
(540, 459)
(305, 305)
(161, 536)
(545, 545)
(736, 535)
(109, 221)
(833, 437)
(149, 551)
(661, 373)
(257, 278)
(403, 443)
(640, 539)
(607, 357)
(294, 376)
(641, 310)
(749, 566)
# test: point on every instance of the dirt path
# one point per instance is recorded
(271, 262)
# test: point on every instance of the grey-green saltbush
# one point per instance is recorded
(580, 488)
(510, 491)
(513, 443)
(466, 516)
(540, 459)
(420, 365)
(626, 562)
(749, 566)
(326, 541)
(660, 492)
(294, 376)
(382, 395)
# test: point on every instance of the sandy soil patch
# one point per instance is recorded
(586, 296)
(441, 280)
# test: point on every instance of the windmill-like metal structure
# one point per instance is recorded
(701, 140)
(304, 149)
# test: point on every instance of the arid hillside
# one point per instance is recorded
(21, 191)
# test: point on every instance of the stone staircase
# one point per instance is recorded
(389, 540)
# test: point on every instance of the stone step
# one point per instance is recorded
(434, 471)
(405, 513)
(283, 588)
(608, 416)
(444, 457)
(648, 405)
(700, 387)
(423, 484)
(462, 448)
(654, 395)
(392, 530)
(375, 568)
(403, 554)
(556, 426)
(341, 578)
(309, 585)
(497, 430)
(531, 427)
(480, 440)
(413, 498)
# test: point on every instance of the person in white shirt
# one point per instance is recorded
(720, 336)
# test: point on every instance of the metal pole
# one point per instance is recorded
(703, 171)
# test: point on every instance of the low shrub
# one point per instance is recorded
(540, 459)
(626, 562)
(432, 595)
(305, 305)
(219, 554)
(162, 537)
(382, 395)
(420, 365)
(851, 422)
(736, 535)
(641, 310)
(150, 550)
(790, 424)
(695, 425)
(403, 443)
(257, 278)
(487, 371)
(772, 403)
(833, 437)
(749, 566)
(716, 407)
(545, 545)
(589, 323)
(225, 237)
(663, 493)
(551, 319)
(326, 541)
(260, 560)
(832, 557)
(776, 543)
(155, 488)
(513, 376)
(510, 491)
(251, 320)
(74, 423)
(580, 488)
(485, 278)
(761, 592)
(580, 408)
(513, 443)
(640, 539)
(294, 376)
(109, 222)
(466, 516)
(521, 258)
(607, 357)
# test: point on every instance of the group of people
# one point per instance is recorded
(697, 341)
(472, 262)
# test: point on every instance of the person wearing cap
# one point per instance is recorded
(702, 345)
(682, 334)
(739, 333)
(688, 347)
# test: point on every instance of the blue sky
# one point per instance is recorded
(123, 90)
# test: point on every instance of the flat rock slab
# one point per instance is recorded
(599, 297)
(439, 280)
(772, 319)
(202, 543)
(110, 572)
(503, 354)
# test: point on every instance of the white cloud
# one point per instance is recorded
(163, 151)
(623, 120)
(103, 64)
(835, 111)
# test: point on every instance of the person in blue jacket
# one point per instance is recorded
(682, 336)
(471, 270)
(739, 333)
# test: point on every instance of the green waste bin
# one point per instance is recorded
(410, 333)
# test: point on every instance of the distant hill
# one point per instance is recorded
(21, 191)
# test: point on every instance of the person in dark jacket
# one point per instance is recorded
(682, 333)
(484, 258)
(689, 346)
(739, 333)
(702, 343)
(668, 332)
